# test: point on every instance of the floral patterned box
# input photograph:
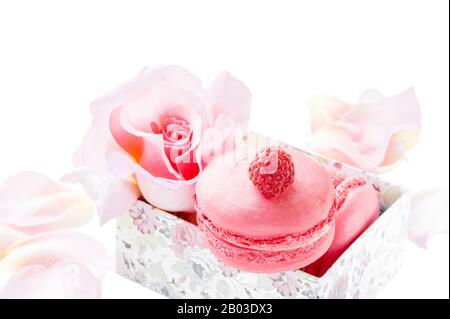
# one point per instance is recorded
(169, 255)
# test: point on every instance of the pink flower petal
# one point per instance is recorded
(97, 141)
(9, 236)
(428, 216)
(120, 164)
(173, 196)
(173, 83)
(119, 196)
(187, 165)
(112, 196)
(171, 101)
(60, 280)
(49, 248)
(131, 143)
(31, 202)
(230, 97)
(220, 138)
(324, 111)
(155, 161)
(185, 160)
(375, 132)
(163, 89)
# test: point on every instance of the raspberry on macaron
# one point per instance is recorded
(272, 171)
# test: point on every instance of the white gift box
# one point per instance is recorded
(169, 255)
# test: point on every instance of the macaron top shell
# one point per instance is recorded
(229, 199)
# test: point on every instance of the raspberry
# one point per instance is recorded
(272, 171)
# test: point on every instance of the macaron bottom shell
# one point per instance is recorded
(268, 261)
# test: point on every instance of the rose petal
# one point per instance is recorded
(112, 196)
(9, 236)
(173, 196)
(31, 202)
(171, 101)
(428, 215)
(60, 280)
(230, 97)
(155, 161)
(165, 88)
(399, 143)
(188, 166)
(119, 164)
(375, 133)
(131, 143)
(184, 159)
(176, 80)
(48, 248)
(371, 96)
(96, 142)
(118, 196)
(147, 148)
(324, 111)
(219, 139)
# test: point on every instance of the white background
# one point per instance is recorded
(57, 56)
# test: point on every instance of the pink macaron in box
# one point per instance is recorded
(308, 227)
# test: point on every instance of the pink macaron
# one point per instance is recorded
(357, 207)
(254, 230)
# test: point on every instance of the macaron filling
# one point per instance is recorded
(264, 250)
(300, 242)
(273, 243)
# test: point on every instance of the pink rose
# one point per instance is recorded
(152, 137)
(372, 134)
